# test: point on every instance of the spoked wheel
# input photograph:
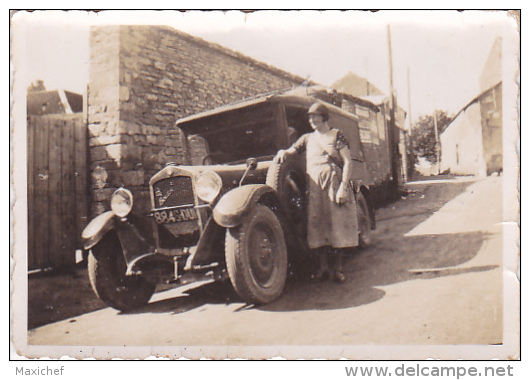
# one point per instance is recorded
(363, 216)
(256, 257)
(106, 271)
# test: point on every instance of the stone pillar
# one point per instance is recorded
(129, 142)
(105, 145)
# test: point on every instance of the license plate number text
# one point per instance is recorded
(175, 216)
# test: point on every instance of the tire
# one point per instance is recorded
(288, 179)
(106, 271)
(363, 217)
(256, 257)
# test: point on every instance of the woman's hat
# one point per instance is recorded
(319, 108)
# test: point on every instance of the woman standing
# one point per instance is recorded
(332, 213)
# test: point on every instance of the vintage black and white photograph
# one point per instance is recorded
(260, 184)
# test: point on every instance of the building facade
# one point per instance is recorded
(472, 142)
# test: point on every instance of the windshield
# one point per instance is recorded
(234, 136)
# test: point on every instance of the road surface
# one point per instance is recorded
(433, 276)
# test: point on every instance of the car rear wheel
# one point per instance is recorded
(256, 257)
(363, 217)
(106, 271)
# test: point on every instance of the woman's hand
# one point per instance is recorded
(342, 194)
(280, 156)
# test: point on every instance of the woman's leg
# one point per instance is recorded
(336, 265)
(322, 270)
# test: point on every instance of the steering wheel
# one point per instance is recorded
(207, 160)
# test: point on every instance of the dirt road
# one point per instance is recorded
(432, 276)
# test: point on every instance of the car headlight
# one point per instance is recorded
(121, 202)
(208, 186)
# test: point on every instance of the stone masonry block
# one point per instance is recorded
(104, 140)
(132, 177)
(124, 94)
(131, 152)
(103, 195)
(152, 140)
(106, 152)
(161, 65)
(98, 153)
(130, 128)
(96, 129)
(171, 151)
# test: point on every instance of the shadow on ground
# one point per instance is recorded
(56, 296)
(215, 293)
(432, 256)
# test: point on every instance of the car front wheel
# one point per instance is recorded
(106, 271)
(256, 257)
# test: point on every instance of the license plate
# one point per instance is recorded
(175, 216)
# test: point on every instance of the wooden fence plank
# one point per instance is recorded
(66, 257)
(31, 189)
(41, 185)
(55, 189)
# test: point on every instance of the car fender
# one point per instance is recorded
(97, 228)
(236, 205)
(133, 242)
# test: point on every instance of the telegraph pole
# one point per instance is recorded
(394, 153)
(408, 96)
(407, 131)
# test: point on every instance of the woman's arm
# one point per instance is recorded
(282, 153)
(342, 193)
(297, 147)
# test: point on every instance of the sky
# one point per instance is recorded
(445, 51)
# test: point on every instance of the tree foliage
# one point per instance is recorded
(36, 86)
(423, 136)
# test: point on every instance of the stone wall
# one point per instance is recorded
(142, 79)
(103, 107)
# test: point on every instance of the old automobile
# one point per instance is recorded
(230, 212)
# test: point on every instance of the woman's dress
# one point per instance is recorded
(329, 224)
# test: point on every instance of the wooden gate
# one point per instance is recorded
(57, 189)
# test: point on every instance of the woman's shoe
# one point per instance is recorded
(322, 272)
(339, 277)
(321, 275)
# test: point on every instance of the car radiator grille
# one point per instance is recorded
(174, 191)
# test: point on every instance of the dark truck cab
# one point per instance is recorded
(230, 212)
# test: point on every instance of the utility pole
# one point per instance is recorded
(394, 152)
(408, 130)
(437, 146)
(408, 96)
